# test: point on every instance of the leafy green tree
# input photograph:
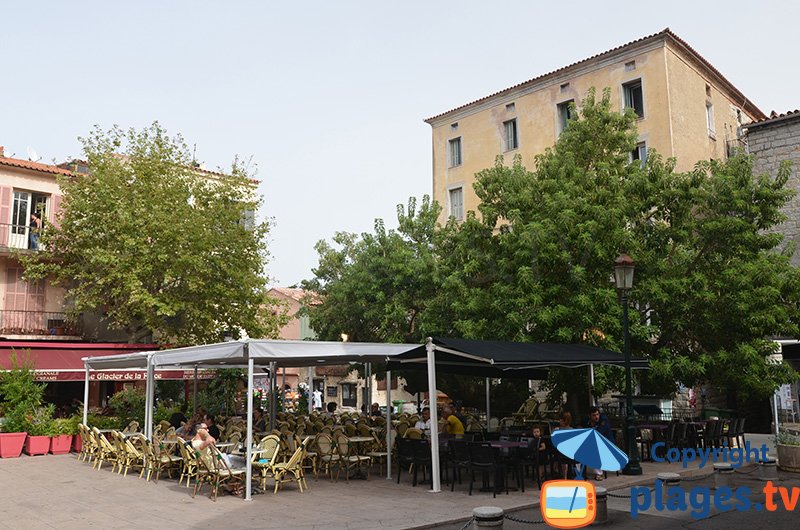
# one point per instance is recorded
(711, 285)
(157, 245)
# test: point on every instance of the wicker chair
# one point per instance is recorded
(293, 466)
(266, 457)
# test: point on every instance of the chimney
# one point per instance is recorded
(2, 151)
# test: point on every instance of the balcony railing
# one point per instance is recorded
(15, 236)
(38, 323)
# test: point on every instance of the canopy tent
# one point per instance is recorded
(489, 358)
(247, 353)
(508, 359)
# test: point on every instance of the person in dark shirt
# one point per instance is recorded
(178, 419)
(600, 423)
(259, 423)
(213, 430)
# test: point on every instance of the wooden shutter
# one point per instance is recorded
(5, 214)
(55, 218)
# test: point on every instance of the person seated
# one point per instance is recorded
(424, 423)
(259, 423)
(565, 422)
(178, 419)
(599, 422)
(453, 425)
(202, 443)
(189, 429)
(213, 430)
(375, 410)
(331, 408)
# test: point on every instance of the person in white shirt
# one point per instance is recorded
(317, 396)
(424, 424)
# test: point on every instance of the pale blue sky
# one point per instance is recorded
(329, 97)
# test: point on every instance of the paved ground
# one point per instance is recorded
(61, 492)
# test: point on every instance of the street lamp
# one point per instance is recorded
(623, 275)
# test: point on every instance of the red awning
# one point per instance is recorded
(61, 361)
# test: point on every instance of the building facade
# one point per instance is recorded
(773, 141)
(687, 109)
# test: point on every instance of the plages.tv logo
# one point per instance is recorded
(572, 503)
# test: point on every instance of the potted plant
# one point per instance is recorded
(66, 429)
(19, 395)
(77, 442)
(40, 427)
(788, 451)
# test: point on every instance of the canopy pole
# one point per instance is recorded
(310, 390)
(591, 385)
(488, 407)
(150, 385)
(248, 491)
(283, 388)
(147, 404)
(389, 424)
(86, 395)
(194, 392)
(436, 486)
(273, 406)
(368, 401)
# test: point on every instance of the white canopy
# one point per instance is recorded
(244, 353)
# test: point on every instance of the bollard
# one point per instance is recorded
(768, 470)
(723, 473)
(601, 502)
(488, 517)
(667, 480)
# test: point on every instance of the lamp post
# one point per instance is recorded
(623, 275)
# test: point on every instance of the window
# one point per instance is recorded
(512, 141)
(633, 97)
(454, 126)
(566, 111)
(348, 395)
(630, 66)
(708, 91)
(639, 153)
(510, 107)
(456, 197)
(710, 119)
(455, 152)
(564, 87)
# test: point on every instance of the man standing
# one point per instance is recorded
(600, 423)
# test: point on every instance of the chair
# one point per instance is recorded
(190, 464)
(708, 433)
(266, 457)
(131, 428)
(348, 460)
(421, 458)
(402, 427)
(405, 455)
(158, 460)
(129, 455)
(327, 456)
(350, 429)
(106, 452)
(740, 441)
(729, 434)
(382, 452)
(88, 445)
(292, 466)
(459, 458)
(214, 470)
(482, 458)
(413, 433)
(527, 411)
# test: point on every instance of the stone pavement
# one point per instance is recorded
(62, 492)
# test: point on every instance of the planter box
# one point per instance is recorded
(37, 445)
(11, 444)
(77, 444)
(789, 458)
(59, 445)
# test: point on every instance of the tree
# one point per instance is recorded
(157, 245)
(711, 285)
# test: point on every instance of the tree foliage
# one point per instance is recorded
(712, 285)
(156, 244)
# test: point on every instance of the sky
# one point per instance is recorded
(329, 98)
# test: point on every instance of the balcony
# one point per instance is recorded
(14, 237)
(38, 324)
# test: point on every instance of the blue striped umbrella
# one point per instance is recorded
(590, 448)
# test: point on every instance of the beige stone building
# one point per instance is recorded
(687, 109)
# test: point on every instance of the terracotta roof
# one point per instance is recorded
(773, 117)
(297, 294)
(34, 166)
(666, 33)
